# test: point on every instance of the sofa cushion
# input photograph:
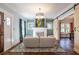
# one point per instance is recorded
(40, 42)
(31, 42)
(47, 42)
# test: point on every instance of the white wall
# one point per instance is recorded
(15, 30)
(68, 19)
(11, 32)
(56, 28)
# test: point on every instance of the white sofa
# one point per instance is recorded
(47, 42)
(31, 42)
(40, 42)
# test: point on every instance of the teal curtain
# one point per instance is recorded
(20, 30)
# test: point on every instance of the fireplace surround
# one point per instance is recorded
(39, 31)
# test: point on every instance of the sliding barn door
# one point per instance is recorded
(76, 29)
(1, 32)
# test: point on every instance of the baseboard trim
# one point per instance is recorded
(76, 52)
(41, 53)
(2, 53)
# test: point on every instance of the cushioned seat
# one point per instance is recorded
(40, 42)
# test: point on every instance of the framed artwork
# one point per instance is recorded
(39, 22)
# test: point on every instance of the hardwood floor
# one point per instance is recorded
(65, 48)
(41, 53)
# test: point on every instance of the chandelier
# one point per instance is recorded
(39, 15)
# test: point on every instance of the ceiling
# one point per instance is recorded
(68, 19)
(50, 10)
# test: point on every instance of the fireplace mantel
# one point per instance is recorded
(39, 30)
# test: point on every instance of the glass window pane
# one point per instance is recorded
(67, 28)
(8, 21)
(30, 25)
(49, 26)
(62, 27)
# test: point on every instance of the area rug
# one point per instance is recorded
(21, 48)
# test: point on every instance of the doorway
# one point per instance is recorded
(1, 31)
(22, 28)
(67, 32)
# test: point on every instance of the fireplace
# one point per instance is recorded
(39, 32)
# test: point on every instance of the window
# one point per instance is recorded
(23, 28)
(49, 25)
(30, 25)
(8, 21)
(62, 27)
(67, 28)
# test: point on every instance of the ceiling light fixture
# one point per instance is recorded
(39, 15)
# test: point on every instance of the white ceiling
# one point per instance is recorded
(50, 10)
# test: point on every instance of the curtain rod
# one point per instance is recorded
(67, 10)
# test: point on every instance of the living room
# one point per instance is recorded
(37, 28)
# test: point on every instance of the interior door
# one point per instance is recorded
(1, 32)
